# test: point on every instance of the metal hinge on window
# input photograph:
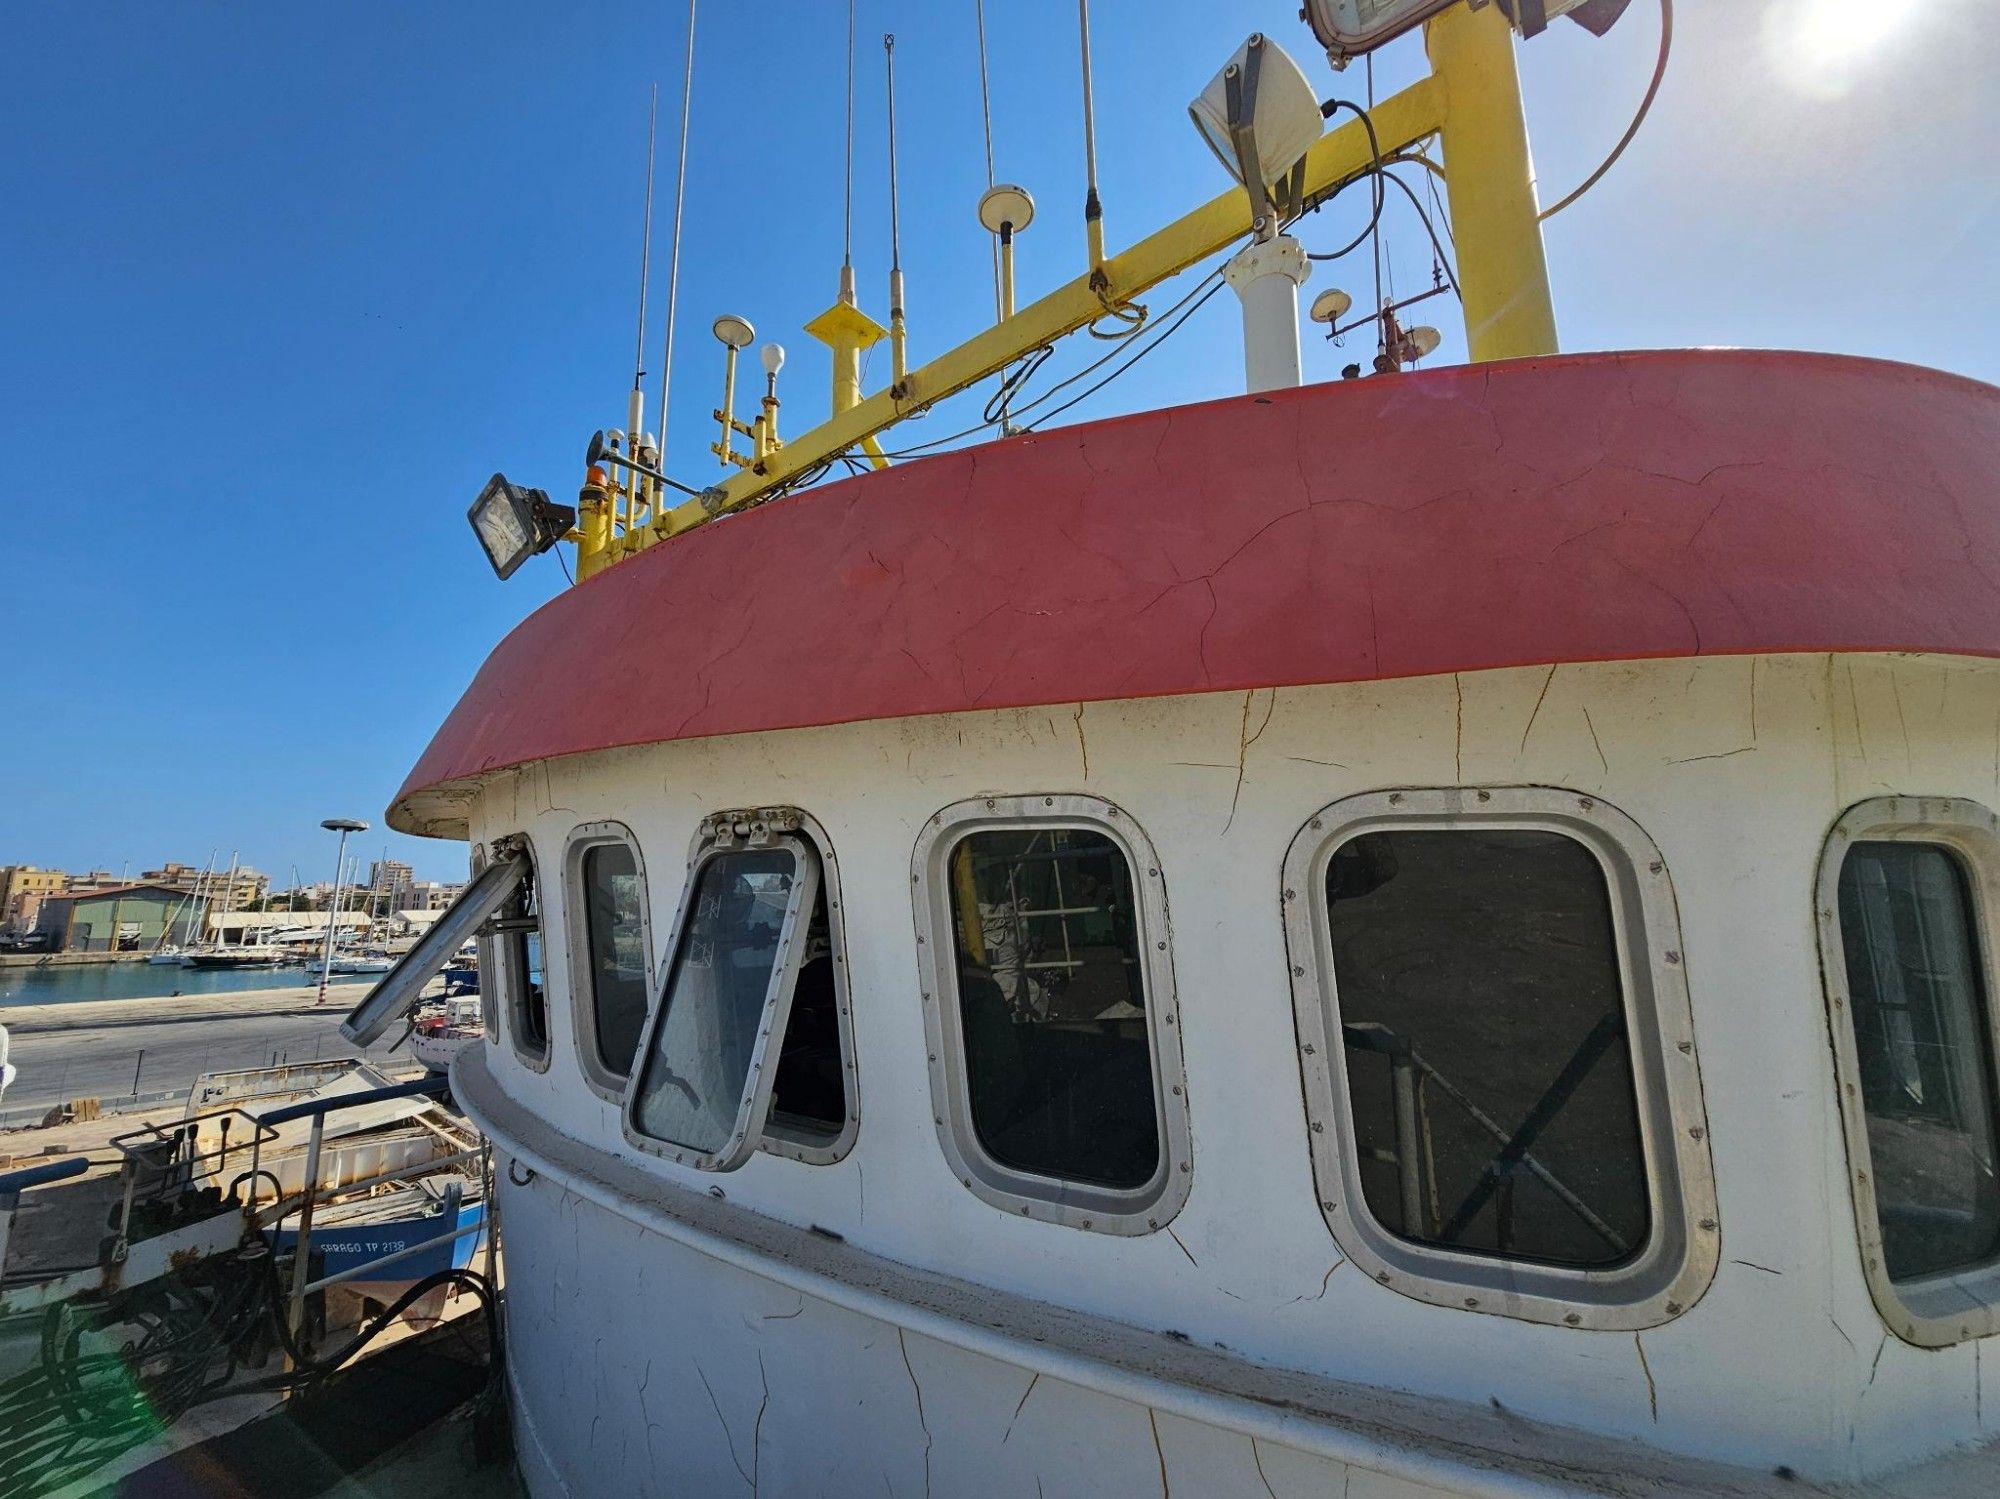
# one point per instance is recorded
(752, 827)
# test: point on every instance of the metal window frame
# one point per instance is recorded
(753, 1108)
(779, 1139)
(507, 967)
(1674, 1267)
(602, 1079)
(401, 988)
(1142, 1210)
(1935, 1311)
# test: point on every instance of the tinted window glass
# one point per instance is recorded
(809, 1096)
(694, 1079)
(1923, 1037)
(615, 946)
(1052, 1003)
(1478, 989)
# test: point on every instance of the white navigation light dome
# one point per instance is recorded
(1007, 207)
(774, 358)
(734, 331)
(1274, 102)
(1331, 305)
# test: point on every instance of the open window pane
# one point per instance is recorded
(1052, 1004)
(615, 936)
(704, 1081)
(1478, 988)
(1923, 1037)
(809, 1097)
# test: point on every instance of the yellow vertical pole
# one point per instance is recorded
(593, 524)
(846, 330)
(1490, 182)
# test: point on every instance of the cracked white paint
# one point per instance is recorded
(1734, 766)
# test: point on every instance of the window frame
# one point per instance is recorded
(1142, 1210)
(508, 975)
(597, 1074)
(1674, 1267)
(791, 1144)
(1937, 1310)
(760, 1078)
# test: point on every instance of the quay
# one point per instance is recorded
(111, 1050)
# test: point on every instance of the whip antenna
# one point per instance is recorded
(674, 246)
(847, 237)
(636, 408)
(1093, 209)
(896, 328)
(986, 115)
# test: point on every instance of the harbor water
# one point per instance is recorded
(75, 983)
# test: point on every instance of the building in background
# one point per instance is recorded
(121, 918)
(389, 882)
(430, 895)
(23, 888)
(250, 887)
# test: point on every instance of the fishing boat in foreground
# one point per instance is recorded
(1426, 935)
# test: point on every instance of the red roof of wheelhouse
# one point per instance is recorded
(1593, 507)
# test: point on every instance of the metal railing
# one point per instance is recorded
(311, 1197)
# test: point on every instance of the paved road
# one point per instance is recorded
(95, 1050)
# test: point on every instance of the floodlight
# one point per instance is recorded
(735, 332)
(1260, 116)
(514, 524)
(774, 358)
(1422, 341)
(1330, 306)
(1348, 28)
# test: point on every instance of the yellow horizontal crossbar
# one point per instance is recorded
(1409, 116)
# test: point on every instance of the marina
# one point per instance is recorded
(1412, 912)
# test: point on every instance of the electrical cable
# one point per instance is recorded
(1444, 261)
(1645, 107)
(1166, 331)
(1374, 166)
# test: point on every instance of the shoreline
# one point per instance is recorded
(77, 1014)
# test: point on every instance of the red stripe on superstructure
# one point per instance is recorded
(1585, 508)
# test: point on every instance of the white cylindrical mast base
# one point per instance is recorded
(1266, 279)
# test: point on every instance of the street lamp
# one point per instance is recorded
(342, 826)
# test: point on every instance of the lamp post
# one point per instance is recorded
(342, 826)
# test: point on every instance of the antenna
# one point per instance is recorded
(847, 238)
(897, 351)
(1093, 210)
(986, 115)
(674, 249)
(636, 407)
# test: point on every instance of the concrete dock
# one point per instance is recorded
(113, 1048)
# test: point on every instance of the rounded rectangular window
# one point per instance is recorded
(1050, 1009)
(1490, 1076)
(1498, 1056)
(704, 1089)
(1909, 977)
(1052, 1005)
(610, 951)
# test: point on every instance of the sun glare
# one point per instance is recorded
(1820, 45)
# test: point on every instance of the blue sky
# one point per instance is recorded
(284, 284)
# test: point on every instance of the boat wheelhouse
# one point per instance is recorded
(1427, 935)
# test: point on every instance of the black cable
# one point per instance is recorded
(1373, 169)
(1645, 107)
(1161, 337)
(1444, 261)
